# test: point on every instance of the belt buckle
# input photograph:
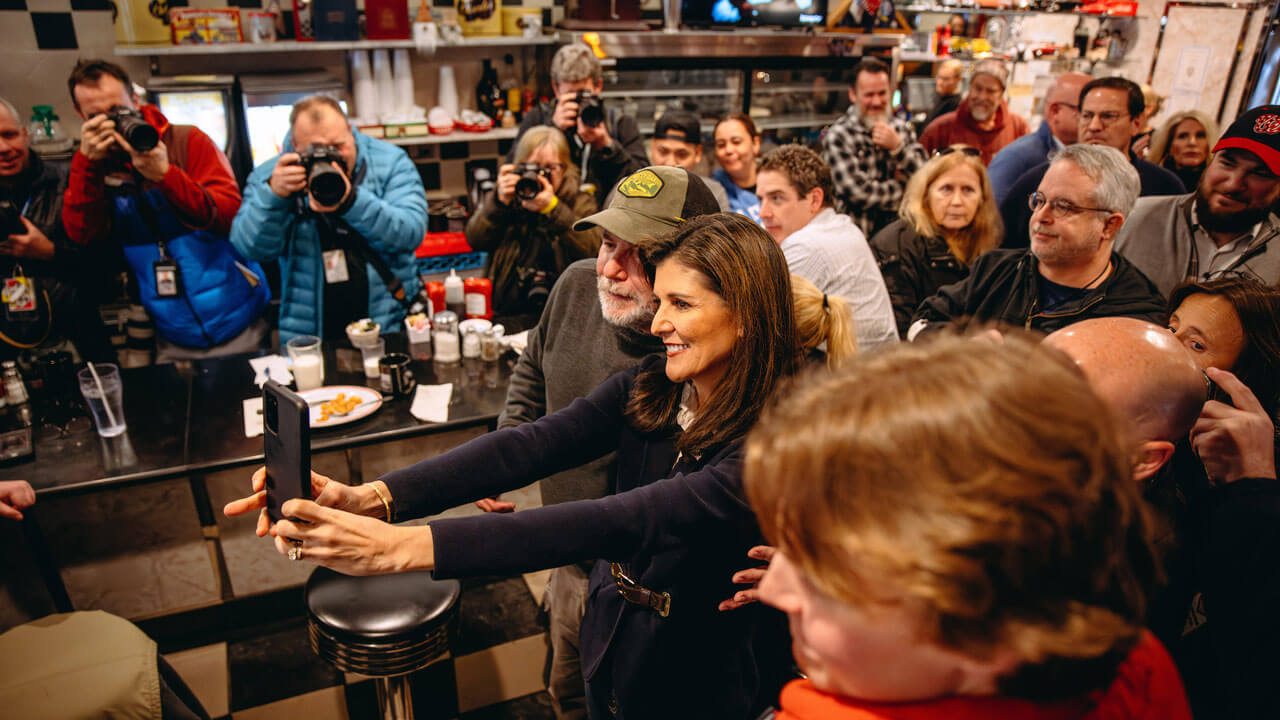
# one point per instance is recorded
(663, 604)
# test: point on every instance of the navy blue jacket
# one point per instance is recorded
(1017, 215)
(1018, 157)
(679, 526)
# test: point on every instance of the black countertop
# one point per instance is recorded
(188, 418)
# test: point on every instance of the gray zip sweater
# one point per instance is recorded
(1156, 237)
(572, 351)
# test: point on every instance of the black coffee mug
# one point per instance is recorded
(395, 374)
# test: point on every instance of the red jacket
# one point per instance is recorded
(203, 191)
(960, 127)
(1147, 687)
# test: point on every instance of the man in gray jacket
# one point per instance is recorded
(596, 323)
(1227, 226)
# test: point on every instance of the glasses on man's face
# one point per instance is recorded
(1069, 106)
(1059, 208)
(1108, 118)
(970, 151)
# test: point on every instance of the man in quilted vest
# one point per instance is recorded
(169, 208)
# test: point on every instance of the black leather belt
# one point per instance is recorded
(636, 594)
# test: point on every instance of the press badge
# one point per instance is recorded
(335, 267)
(19, 297)
(168, 281)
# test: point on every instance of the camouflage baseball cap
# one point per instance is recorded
(650, 202)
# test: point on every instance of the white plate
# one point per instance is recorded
(370, 401)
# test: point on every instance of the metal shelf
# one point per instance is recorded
(457, 136)
(670, 92)
(294, 46)
(766, 123)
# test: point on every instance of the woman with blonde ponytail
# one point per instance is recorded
(824, 323)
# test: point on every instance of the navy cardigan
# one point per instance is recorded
(679, 526)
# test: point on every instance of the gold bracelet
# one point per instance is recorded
(386, 503)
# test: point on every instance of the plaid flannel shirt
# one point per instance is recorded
(868, 179)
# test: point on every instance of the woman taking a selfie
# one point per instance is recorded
(678, 524)
(526, 225)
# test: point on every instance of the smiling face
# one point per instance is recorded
(1190, 144)
(954, 198)
(15, 146)
(783, 210)
(1238, 190)
(1077, 238)
(1210, 328)
(871, 653)
(696, 326)
(736, 150)
(984, 97)
(626, 298)
(870, 92)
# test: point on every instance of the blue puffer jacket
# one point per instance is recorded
(390, 211)
(217, 301)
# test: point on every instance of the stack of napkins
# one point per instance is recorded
(431, 402)
(271, 367)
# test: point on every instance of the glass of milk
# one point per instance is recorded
(308, 361)
(373, 350)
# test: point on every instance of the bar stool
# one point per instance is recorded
(383, 626)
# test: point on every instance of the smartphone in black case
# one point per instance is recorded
(286, 440)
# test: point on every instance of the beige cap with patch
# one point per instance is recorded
(652, 201)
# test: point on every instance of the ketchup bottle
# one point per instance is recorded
(479, 297)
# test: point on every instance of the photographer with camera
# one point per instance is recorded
(605, 145)
(526, 224)
(45, 298)
(165, 195)
(343, 213)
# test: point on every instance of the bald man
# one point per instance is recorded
(1146, 375)
(1059, 129)
(1217, 612)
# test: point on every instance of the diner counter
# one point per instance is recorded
(187, 419)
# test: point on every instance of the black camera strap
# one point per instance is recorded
(352, 241)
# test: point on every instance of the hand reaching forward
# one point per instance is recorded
(752, 577)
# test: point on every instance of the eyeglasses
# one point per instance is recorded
(1059, 208)
(1074, 108)
(970, 151)
(554, 167)
(1107, 118)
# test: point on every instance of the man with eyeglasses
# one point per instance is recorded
(1110, 115)
(1227, 226)
(1059, 129)
(1069, 273)
(983, 119)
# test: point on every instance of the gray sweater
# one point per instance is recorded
(571, 351)
(1157, 238)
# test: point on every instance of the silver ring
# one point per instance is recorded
(295, 552)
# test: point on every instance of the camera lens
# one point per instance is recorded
(592, 115)
(271, 413)
(326, 184)
(527, 188)
(136, 131)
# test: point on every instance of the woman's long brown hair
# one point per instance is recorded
(744, 266)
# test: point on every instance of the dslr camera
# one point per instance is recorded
(10, 219)
(135, 129)
(528, 186)
(590, 108)
(326, 183)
